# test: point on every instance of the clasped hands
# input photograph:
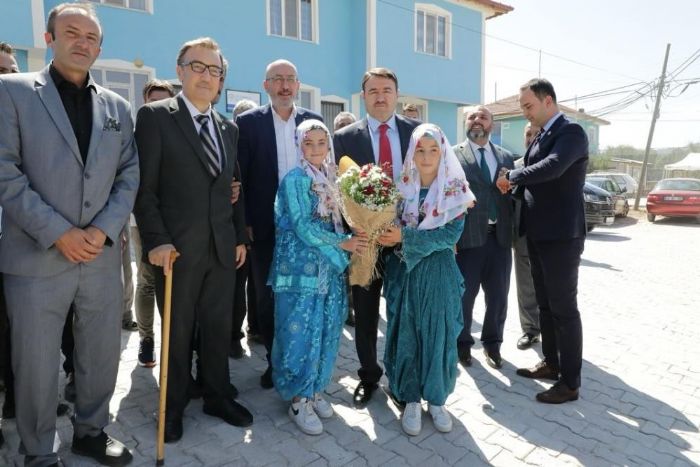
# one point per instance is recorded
(81, 245)
(502, 183)
(160, 256)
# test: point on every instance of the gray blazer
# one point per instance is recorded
(477, 220)
(45, 189)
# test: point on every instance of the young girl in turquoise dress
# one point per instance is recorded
(307, 278)
(423, 285)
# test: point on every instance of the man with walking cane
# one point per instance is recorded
(187, 154)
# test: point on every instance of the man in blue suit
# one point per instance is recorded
(551, 183)
(266, 152)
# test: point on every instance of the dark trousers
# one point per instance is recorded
(488, 267)
(201, 294)
(366, 305)
(244, 301)
(261, 261)
(555, 274)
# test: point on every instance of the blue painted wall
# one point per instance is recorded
(16, 23)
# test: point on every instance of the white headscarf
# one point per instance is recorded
(323, 179)
(449, 194)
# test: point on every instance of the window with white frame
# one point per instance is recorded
(295, 19)
(308, 97)
(433, 30)
(141, 5)
(126, 82)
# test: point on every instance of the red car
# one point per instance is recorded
(674, 197)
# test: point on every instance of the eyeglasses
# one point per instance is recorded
(199, 67)
(282, 79)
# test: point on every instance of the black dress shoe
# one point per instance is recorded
(465, 357)
(493, 358)
(229, 411)
(103, 449)
(233, 391)
(363, 393)
(236, 351)
(558, 394)
(350, 320)
(526, 341)
(398, 403)
(266, 379)
(173, 429)
(62, 409)
(540, 371)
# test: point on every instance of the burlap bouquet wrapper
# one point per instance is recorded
(363, 266)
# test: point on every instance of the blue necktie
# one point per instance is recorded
(493, 210)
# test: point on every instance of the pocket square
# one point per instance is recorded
(111, 125)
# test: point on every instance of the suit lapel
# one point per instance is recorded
(52, 101)
(98, 119)
(271, 140)
(225, 148)
(184, 120)
(405, 131)
(366, 143)
(499, 160)
(473, 170)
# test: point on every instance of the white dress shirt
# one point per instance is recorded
(284, 137)
(393, 134)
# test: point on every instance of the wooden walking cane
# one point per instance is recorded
(164, 352)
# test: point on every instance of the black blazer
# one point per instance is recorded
(257, 155)
(355, 141)
(179, 201)
(553, 178)
(477, 221)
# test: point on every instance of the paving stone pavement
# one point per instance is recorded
(639, 404)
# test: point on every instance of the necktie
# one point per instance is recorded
(385, 161)
(209, 146)
(493, 210)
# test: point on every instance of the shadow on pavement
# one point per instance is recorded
(612, 422)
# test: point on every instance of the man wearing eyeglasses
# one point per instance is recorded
(266, 151)
(187, 153)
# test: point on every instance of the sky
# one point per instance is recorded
(598, 45)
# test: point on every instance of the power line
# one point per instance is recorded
(517, 44)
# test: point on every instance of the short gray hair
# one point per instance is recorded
(341, 118)
(242, 106)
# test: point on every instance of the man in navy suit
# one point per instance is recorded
(381, 137)
(551, 183)
(266, 152)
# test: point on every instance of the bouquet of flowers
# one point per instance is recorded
(368, 199)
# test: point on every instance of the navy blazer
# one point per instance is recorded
(257, 156)
(355, 141)
(553, 178)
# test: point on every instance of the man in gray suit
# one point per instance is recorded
(527, 302)
(68, 180)
(483, 251)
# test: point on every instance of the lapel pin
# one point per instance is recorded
(223, 127)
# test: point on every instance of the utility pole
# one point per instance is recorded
(655, 115)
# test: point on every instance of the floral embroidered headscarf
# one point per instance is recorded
(449, 194)
(323, 180)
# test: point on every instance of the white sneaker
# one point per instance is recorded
(441, 418)
(304, 416)
(411, 420)
(322, 407)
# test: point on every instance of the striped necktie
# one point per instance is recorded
(209, 146)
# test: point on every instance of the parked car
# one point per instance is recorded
(599, 206)
(674, 197)
(626, 181)
(608, 183)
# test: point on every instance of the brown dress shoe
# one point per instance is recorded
(558, 394)
(541, 371)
